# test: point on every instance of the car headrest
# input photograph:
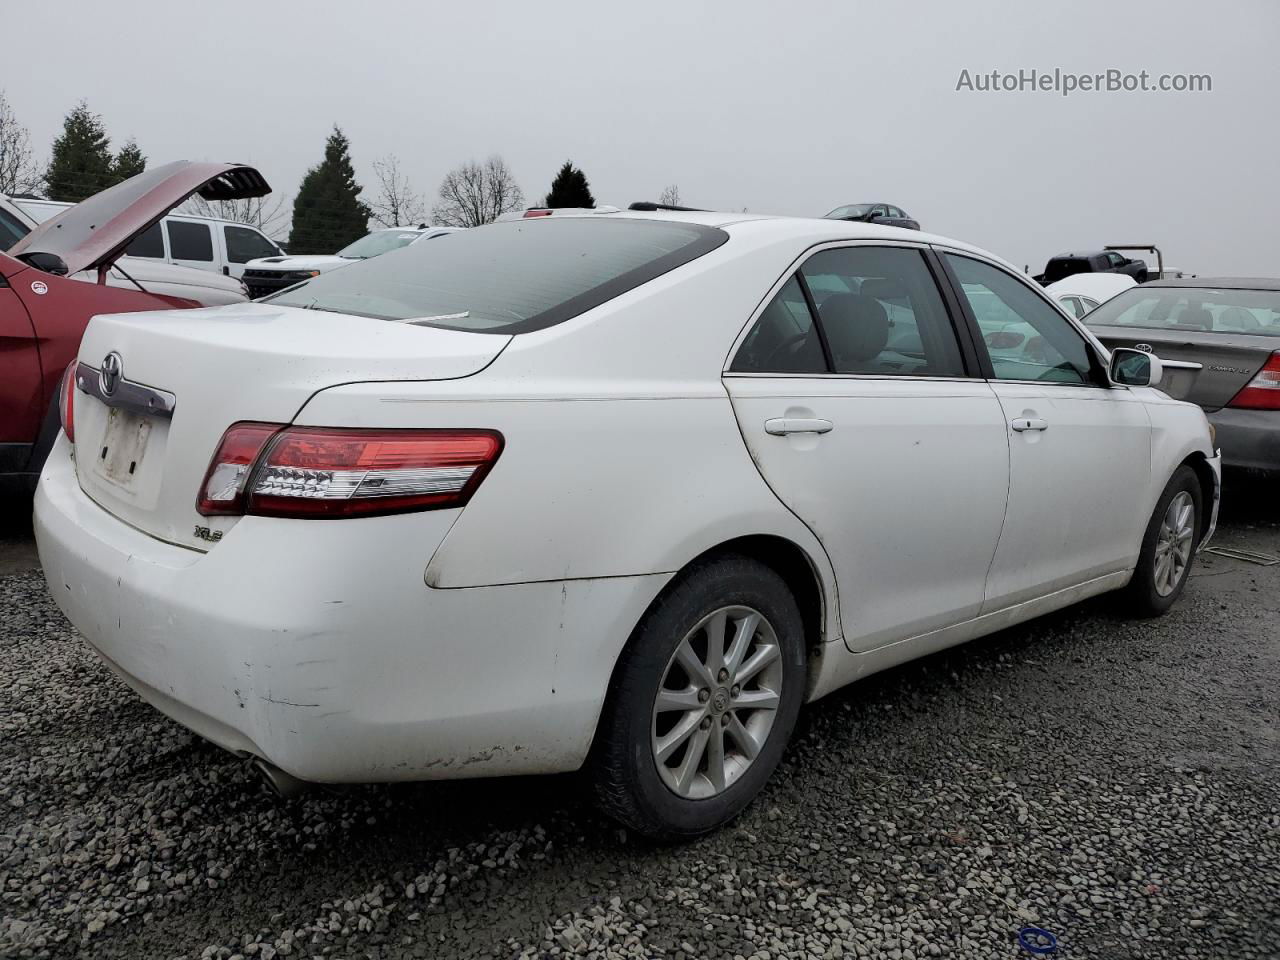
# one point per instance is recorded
(1195, 318)
(856, 325)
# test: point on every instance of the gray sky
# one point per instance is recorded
(789, 108)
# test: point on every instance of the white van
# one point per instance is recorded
(206, 243)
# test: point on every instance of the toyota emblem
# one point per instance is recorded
(109, 375)
(1144, 347)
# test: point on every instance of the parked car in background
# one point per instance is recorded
(1082, 292)
(202, 243)
(885, 214)
(1231, 328)
(205, 288)
(1094, 261)
(273, 274)
(447, 565)
(44, 308)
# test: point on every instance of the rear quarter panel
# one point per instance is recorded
(623, 456)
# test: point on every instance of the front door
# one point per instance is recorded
(853, 397)
(1079, 449)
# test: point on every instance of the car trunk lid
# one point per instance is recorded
(216, 367)
(1228, 361)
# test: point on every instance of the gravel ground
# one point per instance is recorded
(1116, 782)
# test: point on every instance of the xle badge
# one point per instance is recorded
(204, 533)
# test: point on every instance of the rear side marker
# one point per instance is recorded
(272, 470)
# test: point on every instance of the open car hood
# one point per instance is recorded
(95, 232)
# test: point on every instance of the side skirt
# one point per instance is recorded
(839, 669)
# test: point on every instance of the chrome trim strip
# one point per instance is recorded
(128, 395)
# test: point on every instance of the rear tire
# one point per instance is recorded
(1168, 547)
(687, 740)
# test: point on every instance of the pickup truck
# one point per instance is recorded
(1092, 261)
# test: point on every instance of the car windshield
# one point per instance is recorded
(1255, 312)
(378, 243)
(509, 277)
(852, 210)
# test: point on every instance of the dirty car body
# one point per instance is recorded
(429, 542)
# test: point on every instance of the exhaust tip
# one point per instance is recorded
(283, 785)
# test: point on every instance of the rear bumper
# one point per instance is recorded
(1248, 438)
(318, 646)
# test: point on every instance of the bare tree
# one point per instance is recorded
(397, 205)
(18, 170)
(475, 194)
(670, 196)
(269, 214)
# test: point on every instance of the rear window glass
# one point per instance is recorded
(509, 277)
(189, 241)
(148, 243)
(1192, 309)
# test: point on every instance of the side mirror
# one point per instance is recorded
(1135, 368)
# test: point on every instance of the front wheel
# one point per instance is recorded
(1168, 547)
(703, 701)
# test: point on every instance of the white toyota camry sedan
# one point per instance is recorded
(616, 490)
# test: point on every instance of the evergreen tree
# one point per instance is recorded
(570, 189)
(81, 163)
(328, 213)
(129, 162)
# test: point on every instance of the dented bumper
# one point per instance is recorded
(318, 647)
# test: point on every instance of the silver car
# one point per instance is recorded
(1231, 327)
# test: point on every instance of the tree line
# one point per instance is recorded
(328, 211)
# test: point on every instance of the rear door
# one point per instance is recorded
(1079, 449)
(854, 397)
(191, 244)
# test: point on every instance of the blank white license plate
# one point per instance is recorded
(124, 444)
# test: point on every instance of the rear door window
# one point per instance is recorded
(881, 313)
(189, 241)
(11, 229)
(149, 243)
(510, 277)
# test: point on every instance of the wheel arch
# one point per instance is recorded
(1199, 464)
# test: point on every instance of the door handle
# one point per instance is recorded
(1030, 423)
(781, 426)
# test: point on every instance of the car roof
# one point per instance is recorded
(814, 230)
(1080, 255)
(1220, 283)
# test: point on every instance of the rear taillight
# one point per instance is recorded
(536, 213)
(275, 471)
(1263, 391)
(67, 401)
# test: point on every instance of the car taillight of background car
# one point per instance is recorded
(1263, 391)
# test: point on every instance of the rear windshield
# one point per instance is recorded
(1255, 312)
(508, 277)
(378, 243)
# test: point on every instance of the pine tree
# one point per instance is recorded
(328, 213)
(570, 189)
(81, 163)
(129, 162)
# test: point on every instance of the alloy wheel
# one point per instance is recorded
(717, 702)
(1173, 543)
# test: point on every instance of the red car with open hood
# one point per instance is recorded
(43, 313)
